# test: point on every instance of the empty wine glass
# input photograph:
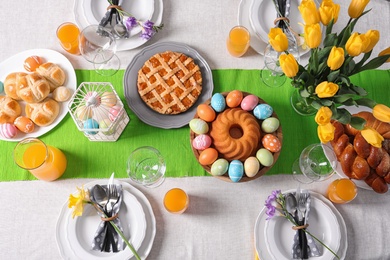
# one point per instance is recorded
(98, 46)
(316, 163)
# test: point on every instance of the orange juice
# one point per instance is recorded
(176, 201)
(238, 41)
(68, 34)
(342, 191)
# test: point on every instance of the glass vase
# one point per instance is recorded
(300, 105)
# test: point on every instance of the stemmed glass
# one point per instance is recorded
(98, 46)
(316, 163)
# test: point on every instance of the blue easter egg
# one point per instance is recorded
(218, 102)
(1, 87)
(236, 170)
(91, 124)
(262, 111)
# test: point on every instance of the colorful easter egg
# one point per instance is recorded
(219, 167)
(271, 143)
(236, 170)
(262, 111)
(83, 113)
(265, 157)
(106, 123)
(109, 99)
(24, 124)
(249, 102)
(91, 124)
(218, 102)
(234, 98)
(199, 126)
(92, 99)
(1, 87)
(8, 130)
(201, 142)
(114, 112)
(32, 63)
(208, 156)
(205, 112)
(270, 125)
(251, 166)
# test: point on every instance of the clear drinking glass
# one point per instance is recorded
(314, 164)
(146, 166)
(176, 201)
(98, 46)
(238, 41)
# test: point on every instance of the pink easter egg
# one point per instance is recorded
(271, 143)
(8, 131)
(249, 102)
(201, 142)
(114, 112)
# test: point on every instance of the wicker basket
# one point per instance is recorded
(98, 111)
(278, 133)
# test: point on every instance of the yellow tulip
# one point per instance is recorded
(309, 12)
(312, 35)
(385, 52)
(356, 7)
(278, 39)
(336, 58)
(356, 44)
(373, 37)
(326, 89)
(328, 11)
(326, 132)
(382, 113)
(289, 65)
(372, 137)
(323, 116)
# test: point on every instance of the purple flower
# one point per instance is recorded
(131, 22)
(148, 25)
(148, 30)
(271, 203)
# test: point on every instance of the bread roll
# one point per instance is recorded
(13, 82)
(53, 74)
(381, 127)
(9, 110)
(61, 94)
(37, 89)
(43, 113)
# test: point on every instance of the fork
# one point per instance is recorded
(303, 196)
(113, 197)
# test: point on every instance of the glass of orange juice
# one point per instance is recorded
(45, 162)
(342, 191)
(68, 35)
(176, 201)
(238, 41)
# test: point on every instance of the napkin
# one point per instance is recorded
(112, 18)
(312, 249)
(106, 239)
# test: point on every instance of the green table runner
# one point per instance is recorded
(88, 159)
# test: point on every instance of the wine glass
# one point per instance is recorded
(98, 46)
(316, 163)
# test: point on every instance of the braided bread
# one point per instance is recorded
(360, 160)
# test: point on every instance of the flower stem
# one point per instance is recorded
(126, 241)
(319, 241)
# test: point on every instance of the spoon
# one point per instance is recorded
(291, 205)
(99, 195)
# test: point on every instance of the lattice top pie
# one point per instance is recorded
(169, 82)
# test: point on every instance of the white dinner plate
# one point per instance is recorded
(81, 230)
(243, 19)
(66, 213)
(261, 241)
(15, 64)
(123, 44)
(143, 10)
(143, 111)
(322, 222)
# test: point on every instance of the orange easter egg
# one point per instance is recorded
(206, 112)
(234, 98)
(208, 156)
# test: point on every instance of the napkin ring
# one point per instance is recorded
(110, 218)
(115, 7)
(300, 227)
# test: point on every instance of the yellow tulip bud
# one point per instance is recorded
(382, 113)
(309, 12)
(372, 137)
(336, 58)
(289, 65)
(323, 116)
(278, 39)
(326, 132)
(373, 37)
(326, 89)
(385, 52)
(356, 7)
(356, 44)
(312, 35)
(328, 11)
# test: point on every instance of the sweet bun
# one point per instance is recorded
(43, 113)
(9, 110)
(53, 74)
(61, 94)
(37, 89)
(13, 82)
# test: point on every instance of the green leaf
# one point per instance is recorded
(350, 102)
(344, 79)
(333, 76)
(342, 115)
(330, 40)
(374, 63)
(341, 99)
(358, 90)
(329, 27)
(357, 122)
(366, 102)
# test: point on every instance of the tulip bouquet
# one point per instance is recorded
(324, 83)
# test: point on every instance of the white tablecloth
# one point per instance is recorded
(220, 220)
